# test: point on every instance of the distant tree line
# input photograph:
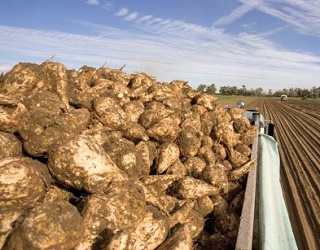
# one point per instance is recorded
(314, 92)
(243, 91)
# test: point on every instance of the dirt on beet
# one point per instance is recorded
(99, 158)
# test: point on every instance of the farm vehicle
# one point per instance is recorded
(265, 223)
(122, 161)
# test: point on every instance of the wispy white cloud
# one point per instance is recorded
(273, 31)
(303, 16)
(237, 13)
(122, 12)
(199, 57)
(93, 2)
(157, 20)
(145, 18)
(154, 23)
(249, 26)
(131, 16)
(169, 49)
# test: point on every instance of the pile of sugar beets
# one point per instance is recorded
(103, 159)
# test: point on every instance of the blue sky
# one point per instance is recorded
(272, 44)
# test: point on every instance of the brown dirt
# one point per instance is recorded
(98, 132)
(298, 135)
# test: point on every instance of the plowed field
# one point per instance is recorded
(298, 135)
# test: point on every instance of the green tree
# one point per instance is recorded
(211, 89)
(224, 90)
(258, 91)
(298, 92)
(234, 90)
(242, 90)
(202, 88)
(305, 93)
(285, 91)
(292, 92)
(314, 92)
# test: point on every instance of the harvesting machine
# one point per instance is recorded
(264, 221)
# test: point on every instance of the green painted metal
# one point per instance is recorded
(275, 230)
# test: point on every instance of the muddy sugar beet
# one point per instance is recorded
(97, 158)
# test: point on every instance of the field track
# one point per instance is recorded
(298, 135)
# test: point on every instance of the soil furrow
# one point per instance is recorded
(304, 140)
(298, 134)
(304, 174)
